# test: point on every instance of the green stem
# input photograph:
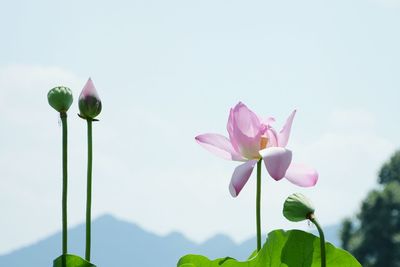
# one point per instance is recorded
(321, 238)
(258, 205)
(63, 117)
(89, 190)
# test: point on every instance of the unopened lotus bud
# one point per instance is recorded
(297, 208)
(89, 101)
(60, 98)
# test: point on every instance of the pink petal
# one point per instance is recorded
(229, 127)
(301, 175)
(218, 145)
(240, 177)
(89, 90)
(272, 137)
(245, 131)
(277, 161)
(283, 136)
(246, 120)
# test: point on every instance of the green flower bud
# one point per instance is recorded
(297, 208)
(60, 98)
(89, 101)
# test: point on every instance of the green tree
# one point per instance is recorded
(390, 171)
(374, 237)
(346, 233)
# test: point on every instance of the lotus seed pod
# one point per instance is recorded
(297, 208)
(60, 98)
(89, 101)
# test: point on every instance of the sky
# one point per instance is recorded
(167, 71)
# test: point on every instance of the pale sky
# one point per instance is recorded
(169, 70)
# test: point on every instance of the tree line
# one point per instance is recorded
(373, 236)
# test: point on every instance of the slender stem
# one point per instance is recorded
(89, 190)
(321, 238)
(258, 205)
(63, 116)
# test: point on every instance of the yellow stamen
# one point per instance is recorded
(263, 142)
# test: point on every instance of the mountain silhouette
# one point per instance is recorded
(117, 243)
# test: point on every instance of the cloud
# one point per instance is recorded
(348, 156)
(137, 165)
(29, 142)
(149, 170)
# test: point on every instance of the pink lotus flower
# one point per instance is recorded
(252, 139)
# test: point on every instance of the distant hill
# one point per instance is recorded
(116, 241)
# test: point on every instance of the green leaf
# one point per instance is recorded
(72, 261)
(282, 249)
